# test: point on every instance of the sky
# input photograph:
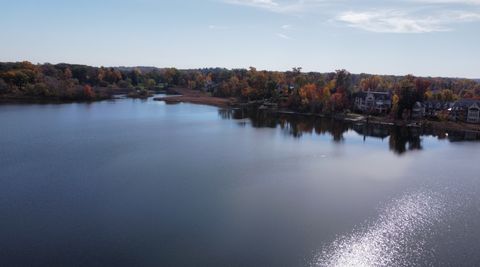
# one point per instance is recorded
(420, 37)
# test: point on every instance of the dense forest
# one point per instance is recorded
(296, 90)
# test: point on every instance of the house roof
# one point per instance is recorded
(418, 105)
(377, 94)
(465, 103)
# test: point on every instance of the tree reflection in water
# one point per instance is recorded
(401, 139)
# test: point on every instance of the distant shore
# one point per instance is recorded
(46, 100)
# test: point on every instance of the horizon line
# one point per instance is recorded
(240, 68)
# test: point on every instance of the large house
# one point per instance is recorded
(467, 110)
(373, 102)
(418, 110)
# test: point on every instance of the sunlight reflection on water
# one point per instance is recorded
(396, 238)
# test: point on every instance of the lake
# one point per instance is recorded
(141, 183)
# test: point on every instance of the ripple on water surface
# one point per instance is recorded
(397, 238)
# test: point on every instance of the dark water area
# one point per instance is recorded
(140, 183)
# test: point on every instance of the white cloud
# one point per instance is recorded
(391, 21)
(465, 2)
(409, 16)
(462, 16)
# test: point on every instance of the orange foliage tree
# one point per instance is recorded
(88, 92)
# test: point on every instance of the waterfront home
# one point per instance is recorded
(473, 114)
(418, 110)
(467, 110)
(373, 102)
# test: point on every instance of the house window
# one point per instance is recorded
(473, 114)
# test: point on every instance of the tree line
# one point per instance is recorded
(294, 89)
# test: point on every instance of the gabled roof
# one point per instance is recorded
(466, 103)
(377, 94)
(418, 105)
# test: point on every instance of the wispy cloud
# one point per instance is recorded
(465, 2)
(389, 16)
(389, 21)
(217, 27)
(272, 5)
(394, 21)
(283, 36)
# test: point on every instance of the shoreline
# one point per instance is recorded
(201, 98)
(183, 95)
(385, 121)
(41, 100)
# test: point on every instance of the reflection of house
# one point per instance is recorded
(467, 110)
(418, 110)
(374, 102)
(461, 136)
(372, 130)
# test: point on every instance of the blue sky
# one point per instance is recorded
(421, 37)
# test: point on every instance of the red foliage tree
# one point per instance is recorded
(88, 92)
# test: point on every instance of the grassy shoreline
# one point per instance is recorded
(183, 95)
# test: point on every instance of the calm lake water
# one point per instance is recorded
(141, 183)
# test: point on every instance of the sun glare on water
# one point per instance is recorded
(396, 238)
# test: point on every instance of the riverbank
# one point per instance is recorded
(387, 121)
(183, 95)
(47, 100)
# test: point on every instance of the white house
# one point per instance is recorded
(473, 114)
(371, 101)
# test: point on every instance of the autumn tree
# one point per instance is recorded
(337, 102)
(150, 84)
(88, 92)
(135, 75)
(447, 95)
(248, 92)
(421, 87)
(172, 76)
(257, 81)
(309, 96)
(19, 78)
(343, 82)
(407, 96)
(67, 73)
(342, 90)
(370, 83)
(125, 84)
(395, 100)
(112, 76)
